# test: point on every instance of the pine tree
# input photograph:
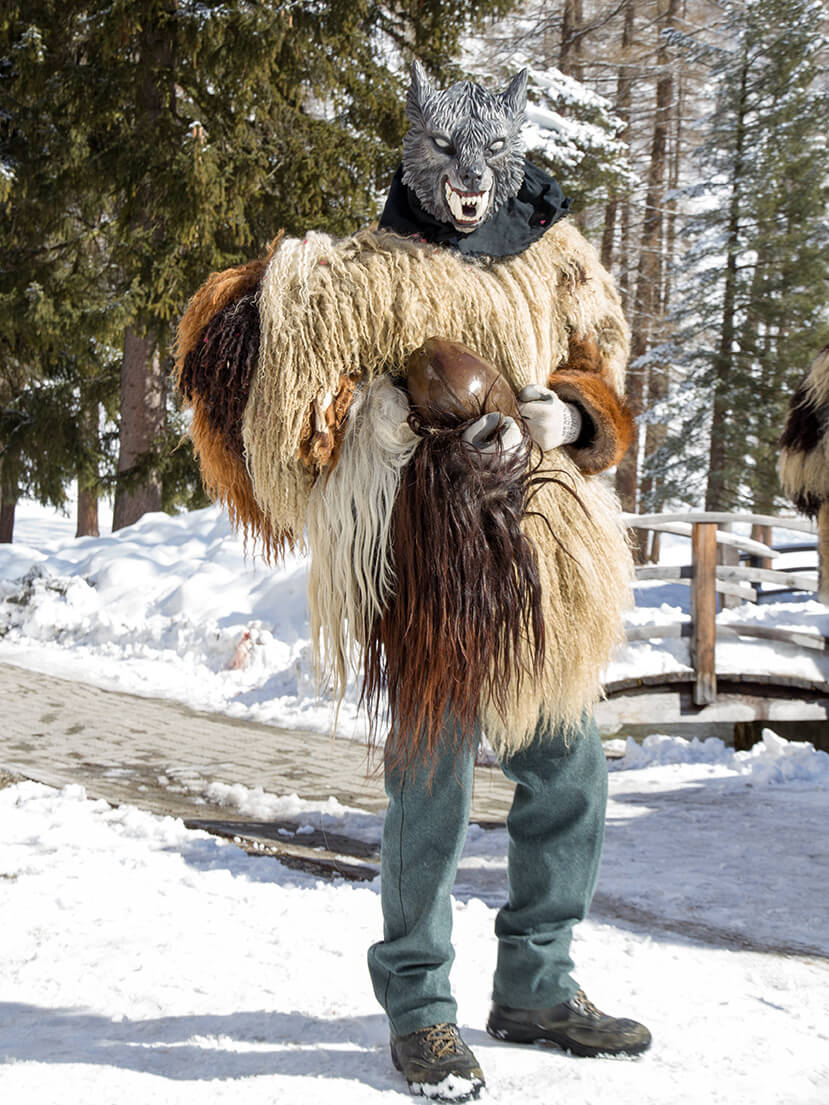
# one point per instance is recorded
(571, 131)
(57, 317)
(178, 136)
(649, 276)
(575, 134)
(754, 303)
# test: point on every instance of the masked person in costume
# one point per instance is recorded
(426, 405)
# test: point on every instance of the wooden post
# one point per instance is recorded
(823, 552)
(763, 534)
(704, 610)
(728, 555)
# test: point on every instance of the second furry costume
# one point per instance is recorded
(804, 455)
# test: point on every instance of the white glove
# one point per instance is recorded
(551, 421)
(494, 433)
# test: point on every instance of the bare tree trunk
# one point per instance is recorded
(717, 496)
(649, 267)
(87, 515)
(143, 414)
(143, 383)
(609, 233)
(624, 88)
(624, 253)
(658, 374)
(673, 185)
(8, 502)
(570, 55)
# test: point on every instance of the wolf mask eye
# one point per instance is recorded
(497, 146)
(442, 143)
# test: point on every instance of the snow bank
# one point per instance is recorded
(254, 802)
(170, 607)
(178, 608)
(773, 760)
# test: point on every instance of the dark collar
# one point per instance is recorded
(522, 220)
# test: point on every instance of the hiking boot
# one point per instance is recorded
(575, 1025)
(437, 1064)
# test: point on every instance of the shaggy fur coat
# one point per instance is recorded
(287, 364)
(804, 455)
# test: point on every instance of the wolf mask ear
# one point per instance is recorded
(514, 96)
(419, 91)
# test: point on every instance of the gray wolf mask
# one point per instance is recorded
(463, 156)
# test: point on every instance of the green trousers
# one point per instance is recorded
(556, 830)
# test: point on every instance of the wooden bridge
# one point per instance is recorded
(726, 568)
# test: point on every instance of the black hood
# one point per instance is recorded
(522, 220)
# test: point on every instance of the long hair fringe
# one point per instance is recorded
(220, 366)
(464, 625)
(349, 531)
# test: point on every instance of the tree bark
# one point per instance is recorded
(648, 275)
(143, 385)
(624, 87)
(143, 415)
(658, 374)
(717, 494)
(87, 513)
(8, 502)
(87, 516)
(570, 59)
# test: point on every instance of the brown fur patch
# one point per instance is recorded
(802, 431)
(220, 366)
(584, 355)
(217, 350)
(804, 443)
(323, 430)
(612, 421)
(218, 290)
(226, 480)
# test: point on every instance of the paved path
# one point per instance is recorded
(127, 749)
(124, 748)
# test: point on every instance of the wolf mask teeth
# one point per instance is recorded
(463, 156)
(468, 208)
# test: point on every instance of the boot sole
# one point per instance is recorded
(530, 1037)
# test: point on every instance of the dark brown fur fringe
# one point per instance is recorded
(801, 434)
(219, 368)
(802, 431)
(217, 291)
(226, 481)
(216, 352)
(215, 378)
(465, 621)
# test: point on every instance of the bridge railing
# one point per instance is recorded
(707, 577)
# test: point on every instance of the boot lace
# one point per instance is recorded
(582, 1003)
(443, 1039)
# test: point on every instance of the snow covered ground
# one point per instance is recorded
(142, 962)
(145, 963)
(175, 607)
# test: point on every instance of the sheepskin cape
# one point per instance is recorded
(336, 317)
